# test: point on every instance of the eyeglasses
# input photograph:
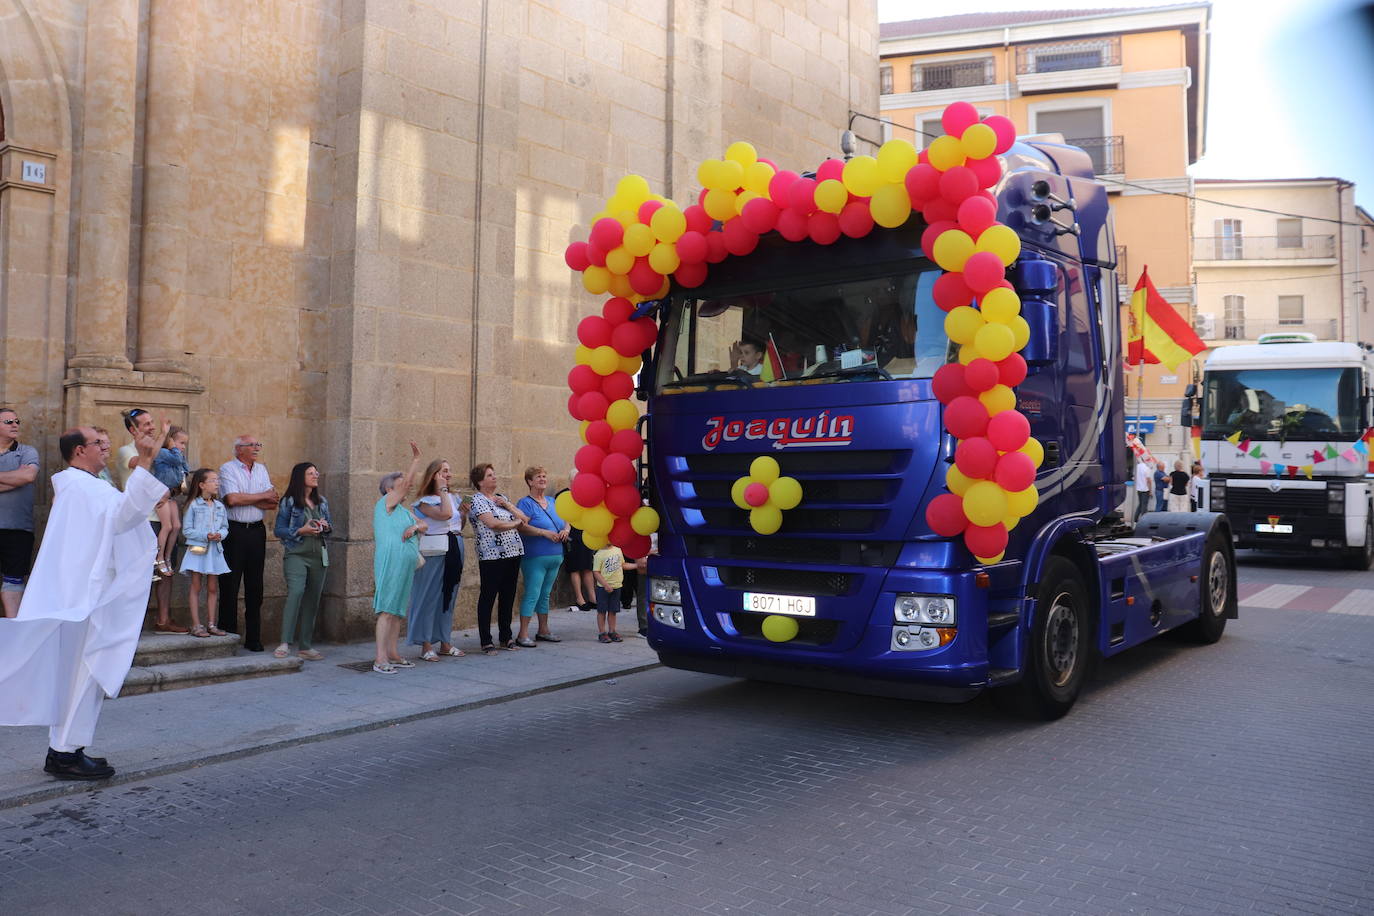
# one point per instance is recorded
(248, 445)
(14, 422)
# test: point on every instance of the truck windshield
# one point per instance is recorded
(1282, 404)
(858, 330)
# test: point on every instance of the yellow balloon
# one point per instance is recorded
(604, 360)
(743, 152)
(582, 429)
(985, 503)
(764, 469)
(890, 205)
(831, 196)
(639, 240)
(737, 492)
(631, 364)
(1022, 502)
(668, 223)
(861, 176)
(627, 217)
(1001, 241)
(596, 280)
(597, 520)
(962, 324)
(895, 159)
(622, 415)
(1011, 521)
(765, 519)
(708, 173)
(1034, 451)
(978, 141)
(633, 189)
(619, 260)
(582, 355)
(967, 354)
(955, 480)
(644, 521)
(719, 204)
(777, 628)
(1020, 332)
(664, 258)
(995, 342)
(988, 561)
(951, 249)
(620, 286)
(731, 175)
(1000, 305)
(785, 493)
(945, 153)
(997, 399)
(566, 507)
(594, 541)
(743, 198)
(757, 176)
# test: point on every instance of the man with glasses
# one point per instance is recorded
(246, 488)
(140, 422)
(73, 640)
(18, 471)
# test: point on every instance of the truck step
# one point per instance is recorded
(1007, 619)
(999, 676)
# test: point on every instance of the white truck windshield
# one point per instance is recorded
(1282, 404)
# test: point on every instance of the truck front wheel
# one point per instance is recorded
(1216, 592)
(1060, 646)
(1363, 557)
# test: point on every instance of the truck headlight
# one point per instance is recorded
(1216, 490)
(665, 590)
(1335, 498)
(936, 610)
(669, 615)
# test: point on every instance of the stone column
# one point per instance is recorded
(166, 186)
(102, 286)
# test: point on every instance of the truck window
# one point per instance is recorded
(1282, 404)
(858, 330)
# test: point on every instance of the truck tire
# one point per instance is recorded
(1362, 557)
(1216, 592)
(1060, 650)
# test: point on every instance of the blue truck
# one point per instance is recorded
(822, 357)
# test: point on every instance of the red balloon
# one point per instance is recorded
(588, 490)
(1008, 431)
(573, 409)
(637, 546)
(648, 333)
(644, 279)
(967, 418)
(760, 215)
(594, 331)
(986, 542)
(617, 310)
(690, 276)
(856, 220)
(801, 195)
(939, 210)
(715, 247)
(975, 458)
(824, 228)
(617, 386)
(691, 247)
(592, 405)
(958, 185)
(976, 214)
(792, 225)
(932, 232)
(738, 239)
(646, 210)
(627, 340)
(621, 533)
(981, 374)
(1006, 136)
(596, 256)
(588, 459)
(698, 220)
(618, 470)
(830, 170)
(957, 118)
(923, 157)
(575, 256)
(950, 291)
(607, 233)
(988, 171)
(949, 383)
(756, 494)
(945, 515)
(922, 184)
(627, 442)
(1015, 471)
(582, 379)
(982, 271)
(1012, 370)
(599, 433)
(778, 185)
(623, 500)
(701, 198)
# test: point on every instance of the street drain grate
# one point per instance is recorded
(360, 667)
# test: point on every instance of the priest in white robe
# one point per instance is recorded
(74, 638)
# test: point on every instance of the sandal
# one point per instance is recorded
(402, 663)
(526, 643)
(511, 645)
(453, 652)
(615, 637)
(281, 651)
(547, 637)
(602, 637)
(199, 632)
(383, 669)
(491, 651)
(430, 656)
(310, 655)
(216, 631)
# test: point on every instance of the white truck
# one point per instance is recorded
(1283, 441)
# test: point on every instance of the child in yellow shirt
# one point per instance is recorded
(608, 570)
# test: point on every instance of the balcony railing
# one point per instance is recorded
(957, 74)
(1247, 329)
(1123, 272)
(1107, 153)
(1057, 57)
(1263, 247)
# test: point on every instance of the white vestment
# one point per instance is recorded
(74, 638)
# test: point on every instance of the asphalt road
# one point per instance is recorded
(1233, 778)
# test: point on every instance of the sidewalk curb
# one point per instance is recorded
(59, 789)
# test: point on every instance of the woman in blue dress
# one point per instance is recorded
(396, 554)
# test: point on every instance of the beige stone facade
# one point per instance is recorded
(339, 224)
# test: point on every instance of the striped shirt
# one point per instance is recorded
(236, 477)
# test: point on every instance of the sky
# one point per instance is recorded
(1292, 84)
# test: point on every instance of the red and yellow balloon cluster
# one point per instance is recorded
(766, 494)
(992, 481)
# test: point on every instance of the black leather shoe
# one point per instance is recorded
(98, 761)
(75, 765)
(253, 646)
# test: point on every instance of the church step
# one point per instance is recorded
(175, 675)
(168, 648)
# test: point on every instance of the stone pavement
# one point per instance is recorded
(160, 733)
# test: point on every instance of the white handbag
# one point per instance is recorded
(434, 545)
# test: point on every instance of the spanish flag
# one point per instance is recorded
(1158, 333)
(772, 363)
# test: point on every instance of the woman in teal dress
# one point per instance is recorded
(396, 552)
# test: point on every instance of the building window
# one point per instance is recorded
(930, 127)
(1233, 317)
(1290, 309)
(1290, 233)
(1086, 129)
(1229, 244)
(951, 74)
(1069, 55)
(885, 80)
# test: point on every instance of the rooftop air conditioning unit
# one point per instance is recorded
(1205, 325)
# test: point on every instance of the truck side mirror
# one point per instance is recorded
(1190, 391)
(1185, 411)
(1043, 318)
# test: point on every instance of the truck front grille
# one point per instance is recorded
(1258, 501)
(784, 581)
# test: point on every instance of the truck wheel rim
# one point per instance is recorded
(1218, 584)
(1061, 640)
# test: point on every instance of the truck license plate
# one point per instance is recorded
(1274, 529)
(792, 605)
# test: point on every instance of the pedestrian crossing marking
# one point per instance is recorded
(1357, 602)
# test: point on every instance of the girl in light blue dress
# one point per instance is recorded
(205, 523)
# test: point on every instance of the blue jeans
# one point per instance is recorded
(540, 573)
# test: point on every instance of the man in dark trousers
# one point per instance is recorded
(246, 488)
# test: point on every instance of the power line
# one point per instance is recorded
(1323, 276)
